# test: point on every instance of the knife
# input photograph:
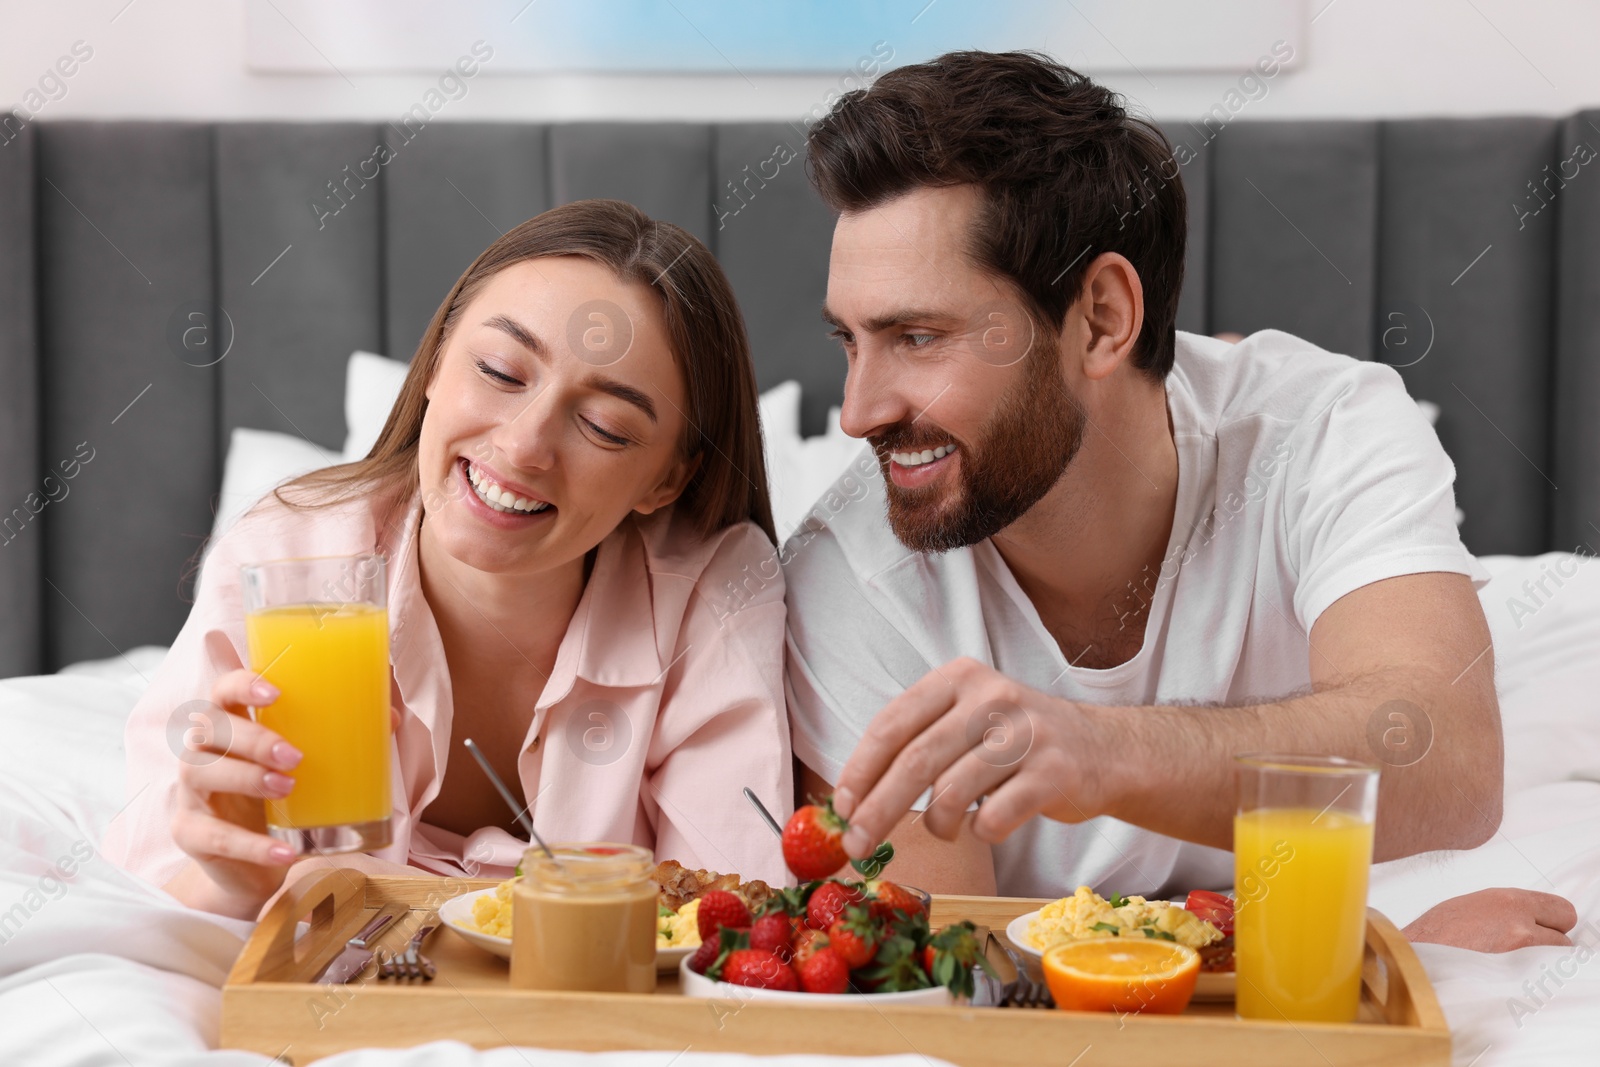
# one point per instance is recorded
(358, 950)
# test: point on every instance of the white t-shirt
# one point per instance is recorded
(1302, 475)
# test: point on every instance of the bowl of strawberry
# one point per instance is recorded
(831, 937)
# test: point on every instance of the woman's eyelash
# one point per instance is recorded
(500, 376)
(611, 437)
(497, 375)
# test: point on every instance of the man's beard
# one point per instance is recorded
(1020, 455)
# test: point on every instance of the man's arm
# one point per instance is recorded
(965, 865)
(1416, 645)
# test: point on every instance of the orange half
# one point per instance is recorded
(1122, 974)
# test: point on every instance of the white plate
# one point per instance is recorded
(1210, 986)
(457, 915)
(698, 985)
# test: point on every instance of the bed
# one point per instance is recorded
(112, 235)
(97, 967)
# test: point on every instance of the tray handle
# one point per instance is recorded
(330, 900)
(1401, 989)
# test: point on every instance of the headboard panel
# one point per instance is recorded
(297, 287)
(1448, 187)
(446, 195)
(110, 233)
(1575, 514)
(1295, 212)
(124, 230)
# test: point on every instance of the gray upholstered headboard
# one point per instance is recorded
(110, 231)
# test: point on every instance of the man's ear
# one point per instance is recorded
(671, 487)
(1112, 305)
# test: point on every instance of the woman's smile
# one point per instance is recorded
(499, 501)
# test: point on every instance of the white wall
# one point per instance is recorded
(186, 59)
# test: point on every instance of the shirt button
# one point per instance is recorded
(534, 747)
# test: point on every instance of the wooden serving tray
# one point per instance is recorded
(269, 1004)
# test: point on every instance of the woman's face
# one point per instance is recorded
(556, 409)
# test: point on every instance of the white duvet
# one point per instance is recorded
(97, 967)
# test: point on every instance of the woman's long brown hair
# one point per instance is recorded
(704, 327)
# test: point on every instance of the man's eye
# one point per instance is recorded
(917, 340)
(498, 376)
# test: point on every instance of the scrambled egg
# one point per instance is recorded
(1086, 914)
(679, 929)
(491, 914)
(492, 911)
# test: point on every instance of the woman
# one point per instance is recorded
(569, 484)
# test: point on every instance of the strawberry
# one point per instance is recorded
(813, 842)
(759, 969)
(897, 968)
(719, 908)
(705, 956)
(828, 902)
(773, 933)
(807, 943)
(855, 936)
(951, 955)
(825, 972)
(889, 897)
(713, 952)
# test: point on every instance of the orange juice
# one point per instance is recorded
(330, 663)
(1299, 928)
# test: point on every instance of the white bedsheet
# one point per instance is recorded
(101, 968)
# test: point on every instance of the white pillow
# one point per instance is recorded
(371, 386)
(258, 461)
(1547, 664)
(807, 470)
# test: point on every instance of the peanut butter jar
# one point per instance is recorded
(585, 920)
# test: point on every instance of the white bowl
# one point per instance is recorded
(1017, 934)
(698, 985)
(456, 913)
(1211, 986)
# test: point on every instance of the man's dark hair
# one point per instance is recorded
(1066, 174)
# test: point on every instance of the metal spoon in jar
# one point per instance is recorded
(761, 810)
(520, 814)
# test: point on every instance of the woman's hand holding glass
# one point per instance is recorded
(220, 819)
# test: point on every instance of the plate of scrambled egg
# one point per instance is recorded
(1086, 914)
(483, 917)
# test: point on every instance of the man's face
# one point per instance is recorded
(963, 399)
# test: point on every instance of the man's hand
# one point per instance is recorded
(1417, 642)
(1496, 920)
(971, 732)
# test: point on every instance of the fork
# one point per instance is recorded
(412, 964)
(1024, 992)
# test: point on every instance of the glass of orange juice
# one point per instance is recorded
(1302, 848)
(318, 630)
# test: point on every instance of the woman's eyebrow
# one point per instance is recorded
(519, 333)
(598, 382)
(624, 392)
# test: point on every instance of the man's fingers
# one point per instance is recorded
(925, 760)
(1007, 808)
(902, 719)
(1543, 935)
(1549, 910)
(970, 777)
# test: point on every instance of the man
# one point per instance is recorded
(1102, 557)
